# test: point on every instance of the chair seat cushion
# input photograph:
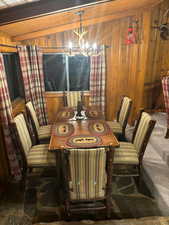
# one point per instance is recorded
(126, 154)
(44, 132)
(115, 126)
(39, 156)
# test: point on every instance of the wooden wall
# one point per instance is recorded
(6, 39)
(158, 60)
(126, 64)
(132, 70)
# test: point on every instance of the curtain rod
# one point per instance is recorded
(15, 46)
(54, 47)
(9, 46)
(63, 47)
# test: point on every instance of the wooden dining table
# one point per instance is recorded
(92, 130)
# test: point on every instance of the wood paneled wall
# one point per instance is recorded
(126, 64)
(158, 60)
(6, 39)
(132, 70)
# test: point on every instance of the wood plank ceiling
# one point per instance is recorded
(59, 21)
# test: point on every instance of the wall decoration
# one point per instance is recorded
(132, 32)
(164, 27)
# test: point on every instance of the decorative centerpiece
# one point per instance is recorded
(80, 113)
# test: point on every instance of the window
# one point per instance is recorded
(64, 72)
(13, 73)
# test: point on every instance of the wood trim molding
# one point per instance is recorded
(149, 86)
(41, 8)
(53, 94)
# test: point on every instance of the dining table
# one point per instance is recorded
(70, 131)
(87, 129)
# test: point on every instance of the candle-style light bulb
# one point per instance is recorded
(70, 45)
(94, 46)
(87, 45)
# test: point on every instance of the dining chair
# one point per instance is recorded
(88, 179)
(42, 133)
(123, 113)
(128, 157)
(71, 98)
(36, 156)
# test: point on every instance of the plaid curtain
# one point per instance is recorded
(6, 118)
(97, 80)
(165, 85)
(33, 79)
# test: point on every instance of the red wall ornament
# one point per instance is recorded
(132, 33)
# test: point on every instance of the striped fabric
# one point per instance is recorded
(124, 110)
(141, 131)
(6, 118)
(33, 78)
(39, 156)
(115, 126)
(165, 85)
(42, 131)
(126, 154)
(118, 127)
(73, 97)
(23, 133)
(88, 173)
(33, 114)
(98, 80)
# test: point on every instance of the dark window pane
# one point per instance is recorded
(54, 72)
(13, 74)
(79, 70)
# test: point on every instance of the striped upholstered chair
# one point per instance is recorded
(120, 124)
(88, 185)
(131, 154)
(42, 133)
(71, 98)
(36, 156)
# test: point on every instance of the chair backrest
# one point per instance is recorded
(124, 111)
(23, 133)
(88, 178)
(73, 97)
(32, 114)
(87, 173)
(143, 131)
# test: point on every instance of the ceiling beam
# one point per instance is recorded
(72, 26)
(41, 8)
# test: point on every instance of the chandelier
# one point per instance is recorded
(82, 46)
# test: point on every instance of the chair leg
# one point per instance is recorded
(67, 210)
(167, 133)
(108, 207)
(139, 177)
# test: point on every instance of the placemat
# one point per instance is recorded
(63, 129)
(84, 141)
(65, 114)
(99, 128)
(93, 114)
